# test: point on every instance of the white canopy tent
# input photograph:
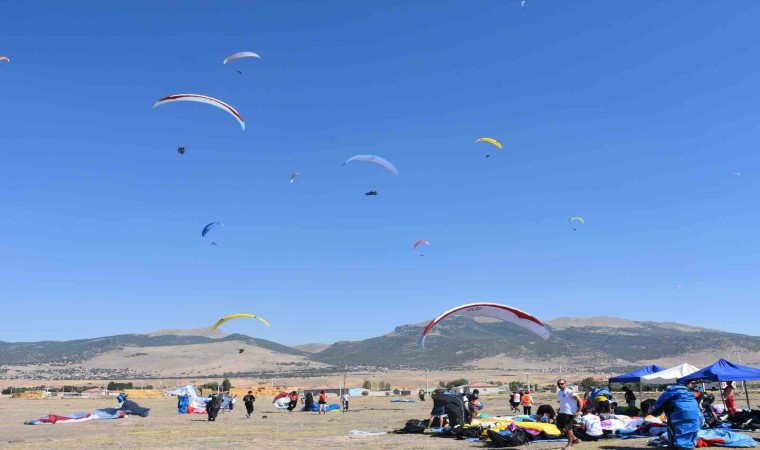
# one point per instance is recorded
(669, 376)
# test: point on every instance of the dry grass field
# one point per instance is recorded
(164, 428)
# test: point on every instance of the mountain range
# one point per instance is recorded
(580, 344)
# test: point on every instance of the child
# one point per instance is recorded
(322, 402)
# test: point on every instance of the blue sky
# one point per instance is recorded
(634, 115)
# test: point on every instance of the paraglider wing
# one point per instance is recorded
(490, 141)
(579, 219)
(493, 310)
(376, 160)
(239, 55)
(238, 316)
(293, 177)
(202, 99)
(420, 242)
(5, 58)
(209, 227)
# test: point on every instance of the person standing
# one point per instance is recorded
(293, 397)
(684, 416)
(527, 403)
(344, 400)
(322, 402)
(515, 402)
(630, 397)
(729, 396)
(569, 408)
(248, 400)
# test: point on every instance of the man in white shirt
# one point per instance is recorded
(344, 399)
(591, 426)
(569, 409)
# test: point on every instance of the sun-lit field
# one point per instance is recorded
(164, 428)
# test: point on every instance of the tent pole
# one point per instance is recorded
(746, 393)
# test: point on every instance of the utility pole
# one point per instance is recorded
(427, 386)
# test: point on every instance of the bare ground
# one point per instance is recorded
(164, 428)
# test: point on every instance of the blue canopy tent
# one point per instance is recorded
(635, 376)
(724, 370)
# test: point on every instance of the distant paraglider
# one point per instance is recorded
(371, 193)
(241, 350)
(293, 177)
(495, 311)
(202, 99)
(491, 141)
(579, 219)
(213, 243)
(208, 228)
(5, 58)
(181, 150)
(238, 316)
(382, 162)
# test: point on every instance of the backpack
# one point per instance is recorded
(515, 439)
(413, 426)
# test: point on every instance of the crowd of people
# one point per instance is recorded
(579, 418)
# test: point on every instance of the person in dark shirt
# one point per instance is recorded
(248, 400)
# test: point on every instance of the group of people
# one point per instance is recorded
(521, 398)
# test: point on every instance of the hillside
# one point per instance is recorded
(583, 344)
(580, 343)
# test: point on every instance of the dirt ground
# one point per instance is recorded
(164, 428)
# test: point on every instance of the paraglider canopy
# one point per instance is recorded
(5, 58)
(579, 219)
(491, 141)
(239, 55)
(238, 316)
(420, 242)
(209, 227)
(202, 99)
(493, 310)
(382, 162)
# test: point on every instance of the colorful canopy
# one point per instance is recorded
(723, 370)
(635, 376)
(669, 376)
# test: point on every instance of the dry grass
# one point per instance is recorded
(164, 428)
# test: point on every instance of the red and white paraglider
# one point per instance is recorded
(495, 311)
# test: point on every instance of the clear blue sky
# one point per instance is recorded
(634, 115)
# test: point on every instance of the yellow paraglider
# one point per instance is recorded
(238, 316)
(490, 141)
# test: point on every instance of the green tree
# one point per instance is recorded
(515, 386)
(367, 385)
(226, 385)
(588, 382)
(457, 382)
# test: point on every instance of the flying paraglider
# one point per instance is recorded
(241, 350)
(238, 316)
(208, 227)
(181, 150)
(202, 99)
(371, 193)
(239, 55)
(293, 177)
(579, 219)
(522, 4)
(493, 310)
(491, 141)
(213, 243)
(5, 58)
(382, 162)
(240, 72)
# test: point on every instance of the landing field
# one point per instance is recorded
(165, 429)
